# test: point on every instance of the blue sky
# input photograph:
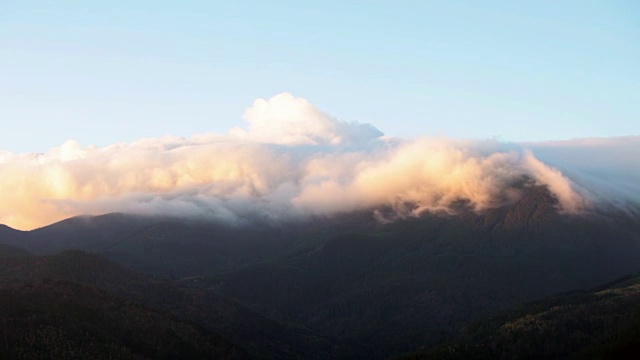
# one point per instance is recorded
(102, 72)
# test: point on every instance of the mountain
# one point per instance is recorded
(44, 317)
(59, 319)
(348, 285)
(413, 283)
(600, 323)
(170, 247)
(10, 236)
(77, 273)
(8, 251)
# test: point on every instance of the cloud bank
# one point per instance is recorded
(292, 160)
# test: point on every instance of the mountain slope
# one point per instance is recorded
(8, 251)
(168, 247)
(59, 319)
(261, 336)
(380, 288)
(409, 283)
(602, 323)
(10, 236)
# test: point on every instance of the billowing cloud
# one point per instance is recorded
(288, 120)
(609, 168)
(292, 160)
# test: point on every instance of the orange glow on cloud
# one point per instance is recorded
(292, 160)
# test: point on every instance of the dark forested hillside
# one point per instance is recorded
(8, 251)
(602, 323)
(9, 236)
(44, 316)
(342, 286)
(412, 283)
(71, 275)
(58, 319)
(176, 248)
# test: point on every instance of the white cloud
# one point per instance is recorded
(293, 160)
(288, 120)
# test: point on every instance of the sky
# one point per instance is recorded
(105, 72)
(281, 110)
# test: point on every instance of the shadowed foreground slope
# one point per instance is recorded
(43, 318)
(412, 283)
(95, 287)
(59, 319)
(602, 323)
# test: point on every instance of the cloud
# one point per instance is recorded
(567, 192)
(608, 167)
(287, 120)
(293, 161)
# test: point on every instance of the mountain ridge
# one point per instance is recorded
(352, 280)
